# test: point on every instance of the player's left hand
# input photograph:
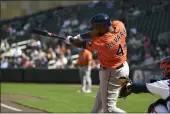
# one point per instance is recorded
(67, 40)
(70, 38)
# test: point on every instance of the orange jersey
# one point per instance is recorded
(84, 57)
(111, 47)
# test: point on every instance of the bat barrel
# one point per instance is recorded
(48, 34)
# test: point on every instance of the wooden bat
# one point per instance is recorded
(48, 34)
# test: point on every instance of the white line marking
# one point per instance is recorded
(9, 107)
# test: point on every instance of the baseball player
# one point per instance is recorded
(161, 88)
(84, 63)
(108, 38)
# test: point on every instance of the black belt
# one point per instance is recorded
(83, 65)
(115, 68)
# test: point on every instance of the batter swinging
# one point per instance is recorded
(109, 39)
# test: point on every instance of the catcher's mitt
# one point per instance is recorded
(126, 88)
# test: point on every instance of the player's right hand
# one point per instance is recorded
(70, 39)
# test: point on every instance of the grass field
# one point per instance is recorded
(64, 98)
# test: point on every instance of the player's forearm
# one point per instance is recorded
(139, 88)
(81, 39)
(78, 42)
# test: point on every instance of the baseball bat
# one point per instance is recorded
(46, 33)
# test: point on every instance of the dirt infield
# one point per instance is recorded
(8, 106)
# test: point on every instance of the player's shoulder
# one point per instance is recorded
(117, 22)
(89, 52)
(97, 39)
(161, 83)
(165, 80)
(118, 25)
(86, 51)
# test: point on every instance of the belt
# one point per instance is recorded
(83, 65)
(115, 68)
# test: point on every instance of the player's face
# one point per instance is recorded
(94, 33)
(99, 29)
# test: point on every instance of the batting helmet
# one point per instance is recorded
(100, 18)
(165, 64)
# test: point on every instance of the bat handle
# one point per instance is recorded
(49, 34)
(55, 36)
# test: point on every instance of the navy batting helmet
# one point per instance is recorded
(100, 18)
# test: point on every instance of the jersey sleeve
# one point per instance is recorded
(159, 88)
(119, 27)
(92, 45)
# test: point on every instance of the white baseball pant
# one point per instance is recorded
(85, 76)
(109, 88)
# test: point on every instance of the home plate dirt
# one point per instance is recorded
(7, 106)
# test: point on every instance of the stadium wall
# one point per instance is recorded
(69, 76)
(44, 76)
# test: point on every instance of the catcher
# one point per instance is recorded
(161, 88)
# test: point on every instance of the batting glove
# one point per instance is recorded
(69, 38)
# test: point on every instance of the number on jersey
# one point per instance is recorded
(120, 50)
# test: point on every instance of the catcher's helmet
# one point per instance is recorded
(100, 18)
(165, 64)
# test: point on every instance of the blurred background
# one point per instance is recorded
(147, 23)
(29, 58)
